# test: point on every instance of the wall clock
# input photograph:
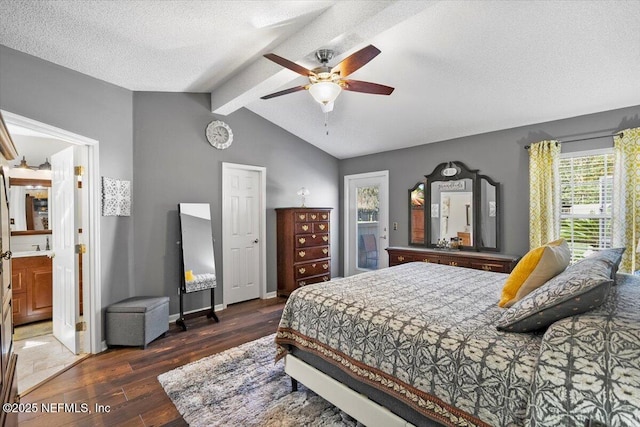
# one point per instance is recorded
(219, 134)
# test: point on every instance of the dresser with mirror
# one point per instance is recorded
(454, 219)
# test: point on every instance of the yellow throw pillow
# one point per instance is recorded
(537, 267)
(188, 276)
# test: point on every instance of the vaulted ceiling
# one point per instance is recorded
(459, 67)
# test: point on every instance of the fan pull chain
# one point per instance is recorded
(326, 122)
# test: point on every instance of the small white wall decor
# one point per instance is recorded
(116, 197)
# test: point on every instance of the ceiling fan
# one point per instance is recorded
(325, 83)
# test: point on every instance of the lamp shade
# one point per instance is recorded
(46, 166)
(325, 92)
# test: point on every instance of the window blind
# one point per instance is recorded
(586, 183)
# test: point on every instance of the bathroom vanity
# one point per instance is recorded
(32, 286)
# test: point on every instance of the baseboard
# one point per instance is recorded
(174, 317)
(269, 295)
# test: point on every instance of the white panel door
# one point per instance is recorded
(241, 230)
(65, 278)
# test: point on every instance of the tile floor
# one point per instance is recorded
(40, 355)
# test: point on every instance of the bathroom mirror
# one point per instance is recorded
(199, 270)
(455, 204)
(29, 206)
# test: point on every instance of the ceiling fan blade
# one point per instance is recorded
(289, 64)
(367, 87)
(284, 92)
(354, 61)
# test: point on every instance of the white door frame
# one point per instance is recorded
(385, 224)
(226, 238)
(91, 287)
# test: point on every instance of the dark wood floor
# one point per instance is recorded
(125, 379)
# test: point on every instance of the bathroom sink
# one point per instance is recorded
(22, 254)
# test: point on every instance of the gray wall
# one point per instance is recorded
(500, 155)
(174, 163)
(77, 103)
(157, 140)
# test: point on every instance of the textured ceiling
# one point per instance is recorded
(459, 67)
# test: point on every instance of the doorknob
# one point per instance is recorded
(6, 255)
(255, 241)
(384, 237)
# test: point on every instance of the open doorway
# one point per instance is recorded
(35, 283)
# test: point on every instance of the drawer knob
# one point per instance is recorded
(325, 278)
(453, 263)
(325, 251)
(426, 260)
(305, 227)
(302, 240)
(486, 267)
(400, 258)
(302, 283)
(325, 238)
(301, 254)
(301, 270)
(302, 216)
(325, 266)
(313, 216)
(321, 226)
(325, 216)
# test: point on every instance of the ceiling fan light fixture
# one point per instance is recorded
(325, 92)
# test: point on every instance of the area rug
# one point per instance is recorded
(244, 387)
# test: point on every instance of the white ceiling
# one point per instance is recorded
(459, 67)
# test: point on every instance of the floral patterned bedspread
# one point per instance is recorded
(589, 365)
(424, 333)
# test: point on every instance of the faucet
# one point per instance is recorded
(37, 247)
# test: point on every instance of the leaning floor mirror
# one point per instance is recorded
(198, 263)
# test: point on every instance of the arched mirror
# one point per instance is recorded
(455, 208)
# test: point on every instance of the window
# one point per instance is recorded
(586, 183)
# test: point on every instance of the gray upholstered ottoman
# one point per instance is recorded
(137, 320)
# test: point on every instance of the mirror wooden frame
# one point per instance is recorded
(25, 182)
(456, 171)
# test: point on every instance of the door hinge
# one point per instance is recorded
(81, 248)
(81, 326)
(78, 170)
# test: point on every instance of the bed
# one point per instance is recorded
(418, 344)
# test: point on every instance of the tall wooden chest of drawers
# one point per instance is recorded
(304, 251)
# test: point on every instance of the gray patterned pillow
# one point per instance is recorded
(611, 256)
(581, 287)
